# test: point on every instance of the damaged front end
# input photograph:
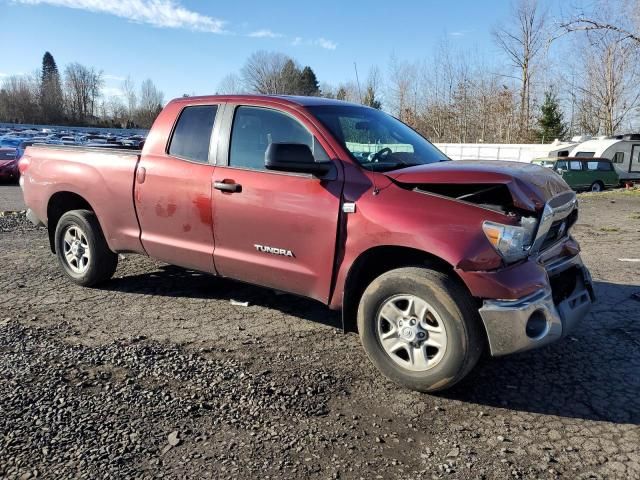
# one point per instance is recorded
(542, 290)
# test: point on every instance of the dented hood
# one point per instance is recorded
(531, 186)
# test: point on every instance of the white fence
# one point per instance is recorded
(522, 152)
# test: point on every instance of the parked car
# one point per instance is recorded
(8, 164)
(431, 260)
(594, 174)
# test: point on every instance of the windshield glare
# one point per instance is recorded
(377, 141)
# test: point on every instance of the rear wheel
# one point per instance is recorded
(82, 250)
(597, 186)
(420, 328)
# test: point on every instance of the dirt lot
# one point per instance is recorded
(157, 374)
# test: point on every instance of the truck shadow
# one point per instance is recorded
(172, 281)
(592, 374)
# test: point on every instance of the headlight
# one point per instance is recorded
(510, 241)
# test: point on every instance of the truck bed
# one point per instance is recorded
(102, 176)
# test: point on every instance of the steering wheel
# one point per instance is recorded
(375, 157)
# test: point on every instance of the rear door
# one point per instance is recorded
(634, 163)
(275, 229)
(173, 191)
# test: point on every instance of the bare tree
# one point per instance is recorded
(82, 85)
(609, 90)
(129, 90)
(151, 102)
(620, 18)
(262, 72)
(19, 100)
(230, 84)
(523, 41)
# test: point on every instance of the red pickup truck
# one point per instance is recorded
(431, 260)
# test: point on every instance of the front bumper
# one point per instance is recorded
(543, 316)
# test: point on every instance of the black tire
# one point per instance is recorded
(596, 186)
(455, 307)
(102, 262)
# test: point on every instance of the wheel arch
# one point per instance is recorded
(380, 259)
(60, 203)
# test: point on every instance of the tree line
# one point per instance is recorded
(577, 73)
(76, 97)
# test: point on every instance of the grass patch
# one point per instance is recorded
(609, 229)
(635, 216)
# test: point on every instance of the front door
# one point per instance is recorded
(173, 193)
(274, 229)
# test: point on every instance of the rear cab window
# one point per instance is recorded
(192, 134)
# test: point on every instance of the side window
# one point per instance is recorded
(192, 134)
(592, 165)
(561, 165)
(254, 128)
(618, 157)
(605, 166)
(575, 165)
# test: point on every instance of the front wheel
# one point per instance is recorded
(82, 249)
(597, 186)
(420, 328)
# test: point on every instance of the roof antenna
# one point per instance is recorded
(355, 67)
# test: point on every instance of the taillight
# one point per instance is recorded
(23, 164)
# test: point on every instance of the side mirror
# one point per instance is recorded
(293, 157)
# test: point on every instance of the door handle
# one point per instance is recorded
(227, 186)
(141, 174)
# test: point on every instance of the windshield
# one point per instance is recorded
(377, 141)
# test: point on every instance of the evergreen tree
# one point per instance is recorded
(291, 78)
(51, 100)
(551, 119)
(309, 82)
(370, 99)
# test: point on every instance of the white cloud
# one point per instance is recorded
(115, 78)
(318, 42)
(159, 13)
(264, 34)
(112, 92)
(324, 43)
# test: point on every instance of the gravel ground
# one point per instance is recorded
(11, 197)
(158, 374)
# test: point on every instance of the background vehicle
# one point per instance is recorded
(8, 164)
(623, 151)
(433, 260)
(594, 174)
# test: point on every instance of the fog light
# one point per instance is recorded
(537, 325)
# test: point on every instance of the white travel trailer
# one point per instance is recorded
(623, 151)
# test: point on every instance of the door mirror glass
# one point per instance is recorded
(293, 157)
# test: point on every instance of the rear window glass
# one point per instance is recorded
(600, 166)
(192, 134)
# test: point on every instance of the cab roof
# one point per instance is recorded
(298, 100)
